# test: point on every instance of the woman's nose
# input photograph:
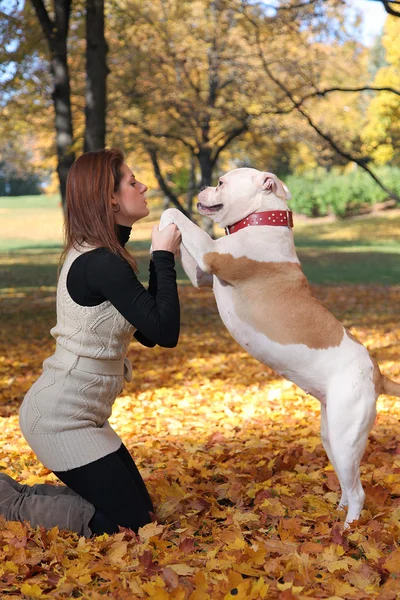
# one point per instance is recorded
(144, 188)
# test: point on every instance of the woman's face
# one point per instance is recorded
(131, 199)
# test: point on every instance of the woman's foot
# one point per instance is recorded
(40, 489)
(64, 511)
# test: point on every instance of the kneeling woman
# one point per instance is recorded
(100, 304)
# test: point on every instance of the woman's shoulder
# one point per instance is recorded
(98, 259)
(97, 268)
(95, 254)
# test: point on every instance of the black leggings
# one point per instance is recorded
(115, 487)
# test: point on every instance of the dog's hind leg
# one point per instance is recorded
(351, 411)
(327, 446)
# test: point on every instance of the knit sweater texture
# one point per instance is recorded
(64, 415)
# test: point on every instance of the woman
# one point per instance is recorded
(100, 304)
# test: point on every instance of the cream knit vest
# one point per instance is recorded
(91, 331)
(64, 416)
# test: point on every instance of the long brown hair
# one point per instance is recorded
(92, 180)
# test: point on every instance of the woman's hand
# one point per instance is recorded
(168, 238)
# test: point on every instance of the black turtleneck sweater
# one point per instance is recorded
(100, 275)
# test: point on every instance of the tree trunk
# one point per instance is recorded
(64, 130)
(96, 76)
(192, 188)
(206, 167)
(56, 33)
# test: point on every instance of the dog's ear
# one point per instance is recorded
(275, 185)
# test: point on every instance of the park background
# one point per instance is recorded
(245, 496)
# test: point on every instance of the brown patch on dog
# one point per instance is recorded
(377, 377)
(275, 299)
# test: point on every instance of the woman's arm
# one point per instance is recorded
(154, 313)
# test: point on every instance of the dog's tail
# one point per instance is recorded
(391, 388)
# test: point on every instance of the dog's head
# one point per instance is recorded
(240, 193)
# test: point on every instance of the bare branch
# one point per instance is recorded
(8, 17)
(388, 8)
(44, 19)
(366, 88)
(361, 162)
(150, 133)
(234, 134)
(291, 6)
(297, 105)
(161, 181)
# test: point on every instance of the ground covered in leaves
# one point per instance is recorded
(232, 457)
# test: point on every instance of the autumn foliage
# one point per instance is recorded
(245, 496)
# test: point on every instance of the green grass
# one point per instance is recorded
(30, 222)
(355, 251)
(30, 202)
(359, 250)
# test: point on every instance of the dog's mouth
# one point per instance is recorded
(202, 208)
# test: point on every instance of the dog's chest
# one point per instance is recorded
(228, 300)
(299, 342)
(253, 341)
(273, 299)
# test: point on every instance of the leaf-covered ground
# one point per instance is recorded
(232, 457)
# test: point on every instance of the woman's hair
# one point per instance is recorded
(89, 218)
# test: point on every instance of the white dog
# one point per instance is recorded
(266, 303)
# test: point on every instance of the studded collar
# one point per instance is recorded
(281, 218)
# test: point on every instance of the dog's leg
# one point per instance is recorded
(193, 271)
(195, 240)
(351, 411)
(325, 442)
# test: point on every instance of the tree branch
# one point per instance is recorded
(359, 161)
(161, 181)
(8, 17)
(150, 133)
(235, 133)
(388, 8)
(366, 88)
(44, 19)
(291, 6)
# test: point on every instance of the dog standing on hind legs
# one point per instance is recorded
(268, 307)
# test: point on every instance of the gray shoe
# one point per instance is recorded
(40, 489)
(72, 513)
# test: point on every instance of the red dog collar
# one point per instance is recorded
(282, 218)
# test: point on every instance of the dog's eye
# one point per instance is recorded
(220, 183)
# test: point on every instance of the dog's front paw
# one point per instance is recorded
(170, 212)
(168, 217)
(164, 222)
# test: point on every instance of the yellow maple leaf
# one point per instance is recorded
(337, 565)
(150, 530)
(392, 563)
(117, 551)
(317, 506)
(31, 590)
(245, 517)
(155, 591)
(34, 479)
(11, 566)
(343, 589)
(182, 569)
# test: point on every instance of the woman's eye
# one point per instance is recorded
(133, 183)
